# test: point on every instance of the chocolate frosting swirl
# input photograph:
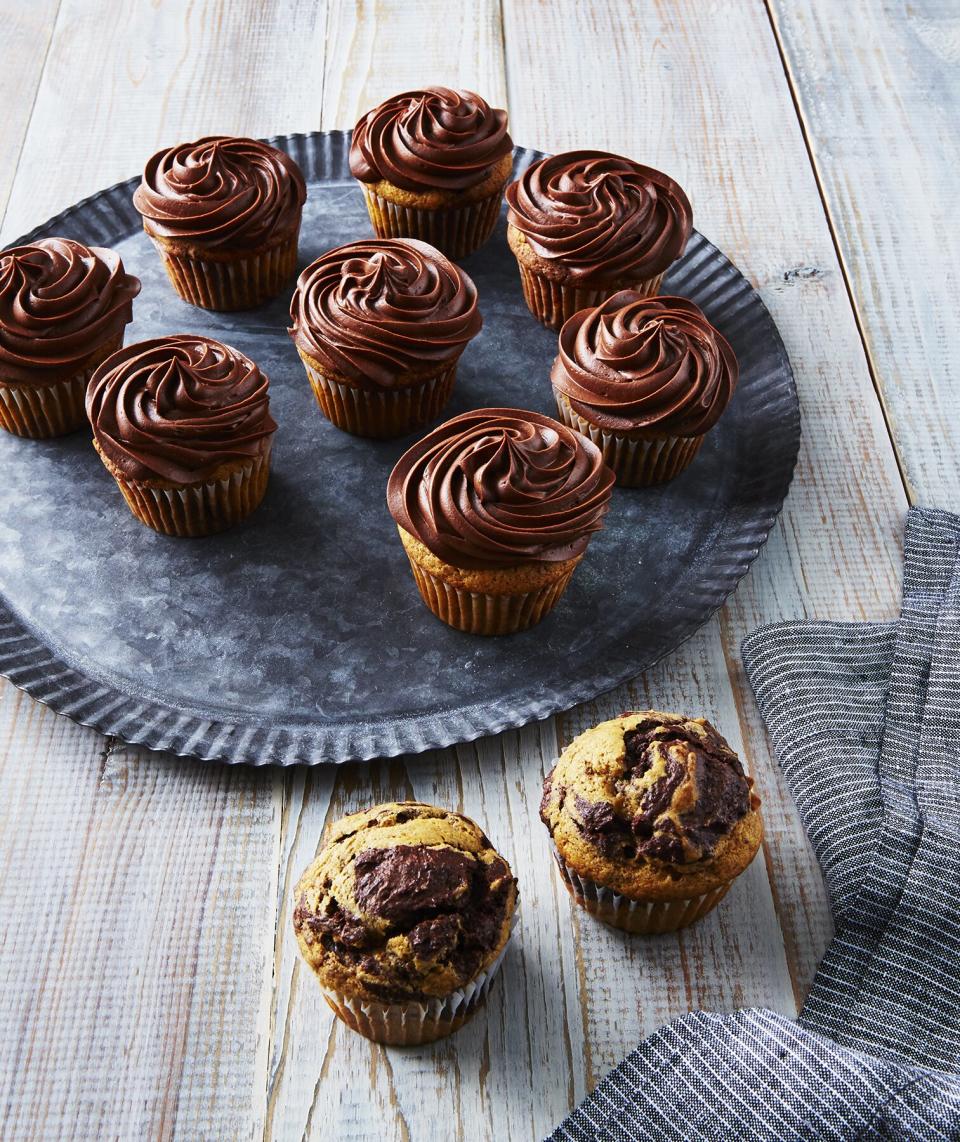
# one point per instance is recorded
(498, 487)
(379, 309)
(59, 301)
(221, 191)
(433, 139)
(645, 362)
(177, 408)
(600, 216)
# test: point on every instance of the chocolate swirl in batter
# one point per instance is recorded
(221, 191)
(179, 407)
(59, 302)
(602, 217)
(498, 487)
(434, 139)
(645, 362)
(379, 309)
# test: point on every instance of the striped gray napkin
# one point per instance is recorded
(865, 722)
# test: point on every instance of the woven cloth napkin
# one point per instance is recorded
(865, 722)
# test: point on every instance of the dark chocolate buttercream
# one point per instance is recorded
(600, 216)
(221, 191)
(645, 362)
(497, 487)
(432, 139)
(59, 302)
(179, 407)
(377, 309)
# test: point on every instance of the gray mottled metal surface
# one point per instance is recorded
(299, 636)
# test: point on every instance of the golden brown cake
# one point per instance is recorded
(183, 425)
(495, 509)
(404, 917)
(380, 325)
(585, 224)
(652, 819)
(433, 164)
(646, 378)
(224, 214)
(63, 309)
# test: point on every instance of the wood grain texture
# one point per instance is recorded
(25, 33)
(171, 982)
(879, 89)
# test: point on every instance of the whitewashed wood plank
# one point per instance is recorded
(697, 90)
(123, 80)
(879, 89)
(25, 31)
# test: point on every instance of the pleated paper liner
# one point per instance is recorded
(203, 508)
(414, 1023)
(42, 411)
(455, 231)
(637, 463)
(640, 917)
(553, 302)
(380, 413)
(231, 282)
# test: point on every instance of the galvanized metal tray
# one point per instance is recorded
(299, 636)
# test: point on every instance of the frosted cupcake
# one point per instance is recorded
(224, 214)
(433, 164)
(586, 224)
(63, 309)
(404, 918)
(380, 326)
(652, 819)
(495, 509)
(646, 379)
(183, 425)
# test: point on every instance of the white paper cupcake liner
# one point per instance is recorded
(414, 1023)
(381, 413)
(636, 463)
(641, 917)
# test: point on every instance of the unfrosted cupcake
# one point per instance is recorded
(652, 819)
(404, 917)
(433, 164)
(224, 213)
(495, 509)
(645, 378)
(380, 326)
(63, 309)
(586, 224)
(183, 425)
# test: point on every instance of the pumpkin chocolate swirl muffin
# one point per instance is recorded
(495, 509)
(224, 213)
(183, 425)
(63, 308)
(433, 164)
(380, 326)
(645, 378)
(586, 224)
(652, 819)
(404, 917)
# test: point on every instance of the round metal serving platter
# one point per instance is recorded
(299, 636)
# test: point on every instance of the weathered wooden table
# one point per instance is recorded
(149, 983)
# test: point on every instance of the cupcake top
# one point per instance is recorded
(645, 362)
(404, 902)
(178, 408)
(379, 310)
(498, 487)
(59, 302)
(432, 139)
(654, 805)
(221, 192)
(600, 216)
